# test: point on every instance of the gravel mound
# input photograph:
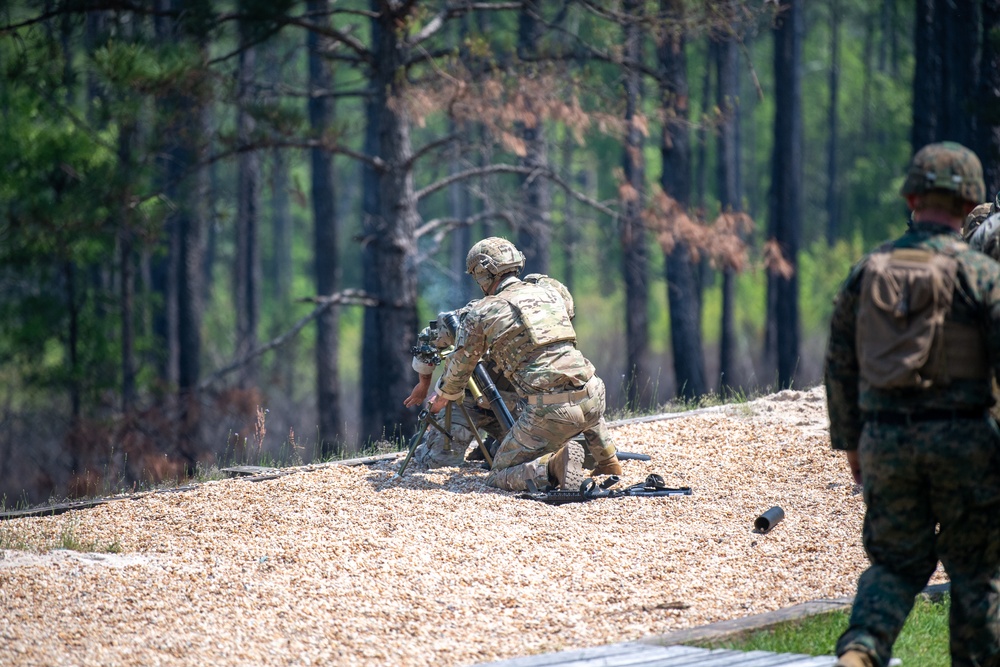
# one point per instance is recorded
(336, 565)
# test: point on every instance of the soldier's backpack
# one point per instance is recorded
(906, 296)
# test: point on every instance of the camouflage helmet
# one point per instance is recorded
(946, 166)
(493, 257)
(975, 218)
(986, 238)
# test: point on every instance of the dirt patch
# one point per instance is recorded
(354, 566)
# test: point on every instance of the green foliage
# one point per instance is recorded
(821, 271)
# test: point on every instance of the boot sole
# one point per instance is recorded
(575, 474)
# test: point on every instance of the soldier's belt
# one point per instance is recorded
(935, 414)
(553, 399)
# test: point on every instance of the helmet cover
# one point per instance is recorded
(493, 257)
(946, 166)
(986, 237)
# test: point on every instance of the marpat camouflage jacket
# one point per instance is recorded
(976, 301)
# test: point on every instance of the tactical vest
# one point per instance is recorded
(904, 337)
(541, 320)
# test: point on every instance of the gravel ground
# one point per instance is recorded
(337, 565)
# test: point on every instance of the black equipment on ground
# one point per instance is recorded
(652, 487)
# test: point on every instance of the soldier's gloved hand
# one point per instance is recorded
(419, 392)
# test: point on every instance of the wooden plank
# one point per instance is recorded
(619, 655)
(242, 471)
(52, 510)
(607, 656)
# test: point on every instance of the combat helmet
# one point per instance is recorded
(975, 218)
(493, 257)
(986, 237)
(946, 166)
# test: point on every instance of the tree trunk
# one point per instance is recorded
(701, 147)
(325, 260)
(959, 40)
(633, 232)
(926, 77)
(163, 264)
(390, 224)
(188, 185)
(832, 124)
(868, 58)
(785, 219)
(247, 265)
(127, 267)
(534, 235)
(461, 237)
(570, 235)
(730, 199)
(988, 99)
(675, 179)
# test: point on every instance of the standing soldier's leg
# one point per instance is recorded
(966, 500)
(899, 536)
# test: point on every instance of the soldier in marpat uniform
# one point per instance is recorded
(527, 331)
(914, 346)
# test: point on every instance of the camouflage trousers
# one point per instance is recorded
(932, 491)
(437, 451)
(541, 430)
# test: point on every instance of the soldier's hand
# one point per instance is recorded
(855, 465)
(419, 393)
(435, 403)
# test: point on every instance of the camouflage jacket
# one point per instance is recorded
(976, 302)
(493, 322)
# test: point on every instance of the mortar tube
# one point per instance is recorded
(769, 519)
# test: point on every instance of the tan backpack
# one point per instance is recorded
(906, 296)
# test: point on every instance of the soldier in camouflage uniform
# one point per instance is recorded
(527, 331)
(435, 450)
(975, 219)
(914, 345)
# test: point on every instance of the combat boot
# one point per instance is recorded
(565, 468)
(608, 467)
(854, 658)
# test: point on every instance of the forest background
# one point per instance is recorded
(222, 224)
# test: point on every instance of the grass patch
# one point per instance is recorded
(923, 641)
(739, 399)
(17, 536)
(70, 540)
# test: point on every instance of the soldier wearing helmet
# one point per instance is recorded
(913, 351)
(527, 330)
(974, 220)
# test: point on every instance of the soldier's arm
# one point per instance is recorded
(991, 293)
(840, 370)
(419, 392)
(469, 349)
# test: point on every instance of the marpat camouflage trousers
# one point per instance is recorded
(932, 491)
(541, 430)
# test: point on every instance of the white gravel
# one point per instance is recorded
(344, 565)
